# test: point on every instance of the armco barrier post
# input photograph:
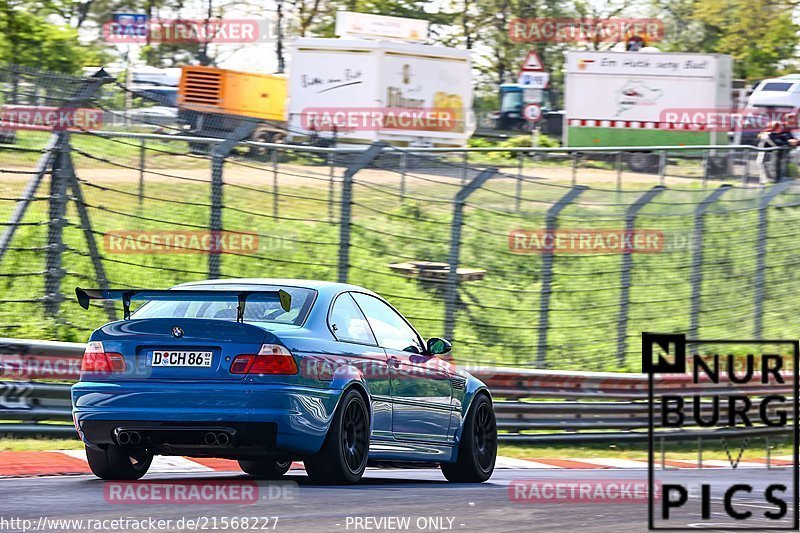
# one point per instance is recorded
(221, 151)
(761, 253)
(627, 264)
(696, 276)
(345, 209)
(551, 224)
(451, 290)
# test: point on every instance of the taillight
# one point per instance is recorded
(98, 361)
(270, 359)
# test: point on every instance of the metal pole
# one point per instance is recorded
(345, 210)
(696, 276)
(84, 94)
(465, 170)
(574, 168)
(551, 224)
(403, 166)
(91, 242)
(619, 171)
(142, 149)
(220, 152)
(451, 290)
(57, 209)
(761, 253)
(330, 186)
(662, 166)
(45, 163)
(518, 196)
(705, 167)
(275, 198)
(627, 265)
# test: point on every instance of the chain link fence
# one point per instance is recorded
(544, 258)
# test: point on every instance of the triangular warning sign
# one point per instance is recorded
(532, 63)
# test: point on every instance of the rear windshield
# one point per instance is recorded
(255, 310)
(777, 86)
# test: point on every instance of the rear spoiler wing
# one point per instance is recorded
(126, 296)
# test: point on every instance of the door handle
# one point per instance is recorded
(393, 361)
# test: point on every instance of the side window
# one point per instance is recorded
(391, 330)
(348, 322)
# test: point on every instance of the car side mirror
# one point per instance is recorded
(438, 346)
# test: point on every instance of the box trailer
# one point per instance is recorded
(365, 91)
(645, 98)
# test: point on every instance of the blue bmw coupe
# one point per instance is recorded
(267, 371)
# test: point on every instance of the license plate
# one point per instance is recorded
(182, 358)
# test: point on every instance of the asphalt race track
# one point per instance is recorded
(381, 502)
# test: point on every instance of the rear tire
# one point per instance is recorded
(118, 463)
(343, 456)
(477, 450)
(265, 468)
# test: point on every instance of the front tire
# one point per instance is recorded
(343, 456)
(266, 469)
(477, 450)
(118, 463)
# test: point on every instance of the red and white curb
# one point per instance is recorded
(65, 462)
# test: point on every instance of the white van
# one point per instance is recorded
(777, 93)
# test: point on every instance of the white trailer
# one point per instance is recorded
(405, 94)
(623, 98)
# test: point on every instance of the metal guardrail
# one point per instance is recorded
(532, 406)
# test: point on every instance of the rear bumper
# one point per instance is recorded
(262, 416)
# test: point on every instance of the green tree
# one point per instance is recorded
(28, 39)
(759, 34)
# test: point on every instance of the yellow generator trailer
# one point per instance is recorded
(211, 100)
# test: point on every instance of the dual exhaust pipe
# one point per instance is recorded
(131, 438)
(217, 439)
(211, 438)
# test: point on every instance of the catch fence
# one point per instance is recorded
(543, 258)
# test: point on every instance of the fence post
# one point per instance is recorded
(331, 174)
(761, 253)
(627, 263)
(451, 289)
(142, 162)
(518, 195)
(91, 242)
(220, 152)
(85, 93)
(345, 209)
(574, 168)
(275, 198)
(696, 276)
(57, 209)
(551, 224)
(403, 168)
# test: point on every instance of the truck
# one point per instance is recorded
(353, 76)
(625, 99)
(331, 77)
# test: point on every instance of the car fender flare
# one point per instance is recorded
(466, 405)
(349, 377)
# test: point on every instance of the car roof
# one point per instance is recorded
(318, 285)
